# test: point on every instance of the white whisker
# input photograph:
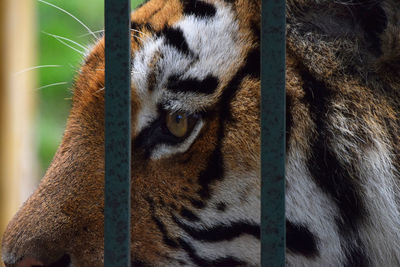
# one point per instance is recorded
(66, 39)
(101, 89)
(75, 18)
(145, 34)
(50, 85)
(36, 67)
(86, 34)
(138, 37)
(73, 48)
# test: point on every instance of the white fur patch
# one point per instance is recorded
(308, 205)
(381, 231)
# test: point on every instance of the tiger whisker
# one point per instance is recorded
(72, 16)
(86, 34)
(145, 34)
(66, 39)
(101, 89)
(71, 66)
(50, 85)
(73, 48)
(138, 37)
(36, 67)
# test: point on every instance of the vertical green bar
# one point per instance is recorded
(117, 134)
(273, 133)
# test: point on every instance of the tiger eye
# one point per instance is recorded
(177, 123)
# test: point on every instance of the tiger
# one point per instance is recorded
(195, 193)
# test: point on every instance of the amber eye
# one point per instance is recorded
(177, 123)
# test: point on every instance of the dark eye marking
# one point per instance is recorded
(208, 85)
(158, 133)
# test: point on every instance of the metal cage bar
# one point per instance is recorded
(117, 134)
(273, 133)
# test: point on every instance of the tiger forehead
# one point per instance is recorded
(182, 65)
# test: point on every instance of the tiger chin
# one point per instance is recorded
(196, 142)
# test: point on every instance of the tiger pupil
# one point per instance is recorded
(178, 118)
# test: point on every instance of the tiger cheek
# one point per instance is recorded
(174, 178)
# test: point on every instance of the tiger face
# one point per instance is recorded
(195, 147)
(196, 142)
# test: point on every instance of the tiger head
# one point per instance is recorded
(196, 142)
(195, 147)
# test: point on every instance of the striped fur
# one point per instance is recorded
(196, 198)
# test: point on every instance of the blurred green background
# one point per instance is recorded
(54, 101)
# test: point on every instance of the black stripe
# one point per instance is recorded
(255, 28)
(215, 166)
(227, 262)
(197, 203)
(252, 65)
(166, 239)
(170, 242)
(221, 206)
(251, 68)
(174, 37)
(221, 232)
(208, 85)
(139, 263)
(331, 175)
(189, 215)
(135, 25)
(221, 262)
(198, 8)
(183, 263)
(214, 170)
(300, 240)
